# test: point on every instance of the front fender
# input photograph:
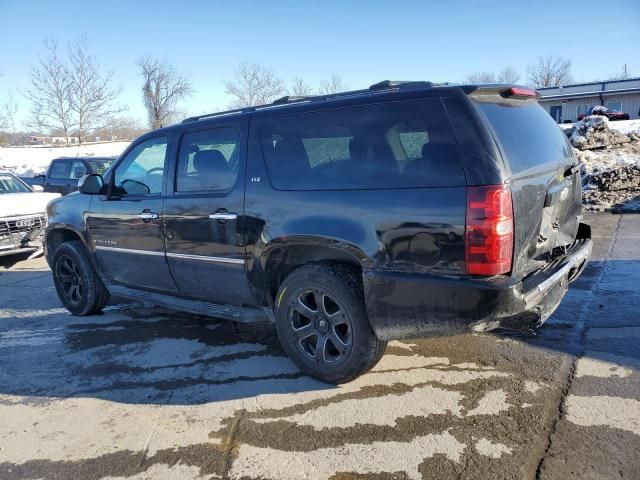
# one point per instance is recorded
(67, 214)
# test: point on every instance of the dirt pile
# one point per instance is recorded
(594, 132)
(615, 190)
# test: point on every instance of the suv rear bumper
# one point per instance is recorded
(403, 305)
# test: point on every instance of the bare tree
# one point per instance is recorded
(300, 88)
(550, 71)
(50, 93)
(253, 85)
(334, 84)
(92, 97)
(481, 77)
(508, 75)
(8, 117)
(162, 89)
(121, 128)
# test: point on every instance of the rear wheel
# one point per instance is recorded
(322, 323)
(79, 288)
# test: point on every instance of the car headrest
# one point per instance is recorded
(209, 161)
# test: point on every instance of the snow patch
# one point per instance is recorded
(376, 457)
(487, 448)
(492, 403)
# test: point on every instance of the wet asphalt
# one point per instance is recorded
(141, 393)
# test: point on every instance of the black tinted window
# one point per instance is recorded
(393, 145)
(208, 160)
(528, 135)
(59, 169)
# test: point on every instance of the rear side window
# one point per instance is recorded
(208, 160)
(406, 144)
(59, 169)
(528, 135)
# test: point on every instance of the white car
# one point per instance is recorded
(22, 215)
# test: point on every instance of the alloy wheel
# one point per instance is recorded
(70, 279)
(320, 326)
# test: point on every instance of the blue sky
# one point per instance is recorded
(363, 42)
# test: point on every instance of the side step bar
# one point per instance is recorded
(226, 312)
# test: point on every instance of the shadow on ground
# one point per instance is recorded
(144, 355)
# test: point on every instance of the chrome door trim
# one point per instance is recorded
(129, 250)
(204, 258)
(184, 256)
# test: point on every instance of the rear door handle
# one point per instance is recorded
(148, 215)
(223, 216)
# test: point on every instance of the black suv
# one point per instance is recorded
(63, 173)
(404, 210)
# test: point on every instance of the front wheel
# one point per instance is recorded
(79, 288)
(322, 323)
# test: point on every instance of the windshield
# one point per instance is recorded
(10, 184)
(100, 165)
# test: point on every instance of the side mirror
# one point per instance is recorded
(90, 184)
(37, 188)
(79, 172)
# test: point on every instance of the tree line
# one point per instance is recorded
(549, 71)
(73, 97)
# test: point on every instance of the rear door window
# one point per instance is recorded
(208, 160)
(528, 135)
(406, 144)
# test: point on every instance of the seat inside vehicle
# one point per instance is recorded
(211, 172)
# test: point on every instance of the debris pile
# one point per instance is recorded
(594, 132)
(610, 158)
(616, 190)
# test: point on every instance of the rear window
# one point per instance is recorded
(59, 169)
(528, 135)
(405, 144)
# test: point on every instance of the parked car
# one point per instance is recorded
(63, 173)
(22, 215)
(605, 112)
(404, 210)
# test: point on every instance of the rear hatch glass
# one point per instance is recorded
(546, 188)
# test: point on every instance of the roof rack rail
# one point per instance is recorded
(291, 99)
(215, 114)
(384, 84)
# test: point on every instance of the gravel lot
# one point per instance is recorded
(141, 393)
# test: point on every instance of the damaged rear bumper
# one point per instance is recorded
(403, 305)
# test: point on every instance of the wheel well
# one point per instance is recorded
(283, 261)
(57, 237)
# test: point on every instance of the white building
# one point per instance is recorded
(565, 103)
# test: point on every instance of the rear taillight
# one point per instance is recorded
(489, 230)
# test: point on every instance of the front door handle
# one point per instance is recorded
(148, 215)
(223, 216)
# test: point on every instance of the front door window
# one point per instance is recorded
(142, 170)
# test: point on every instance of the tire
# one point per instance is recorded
(79, 288)
(322, 323)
